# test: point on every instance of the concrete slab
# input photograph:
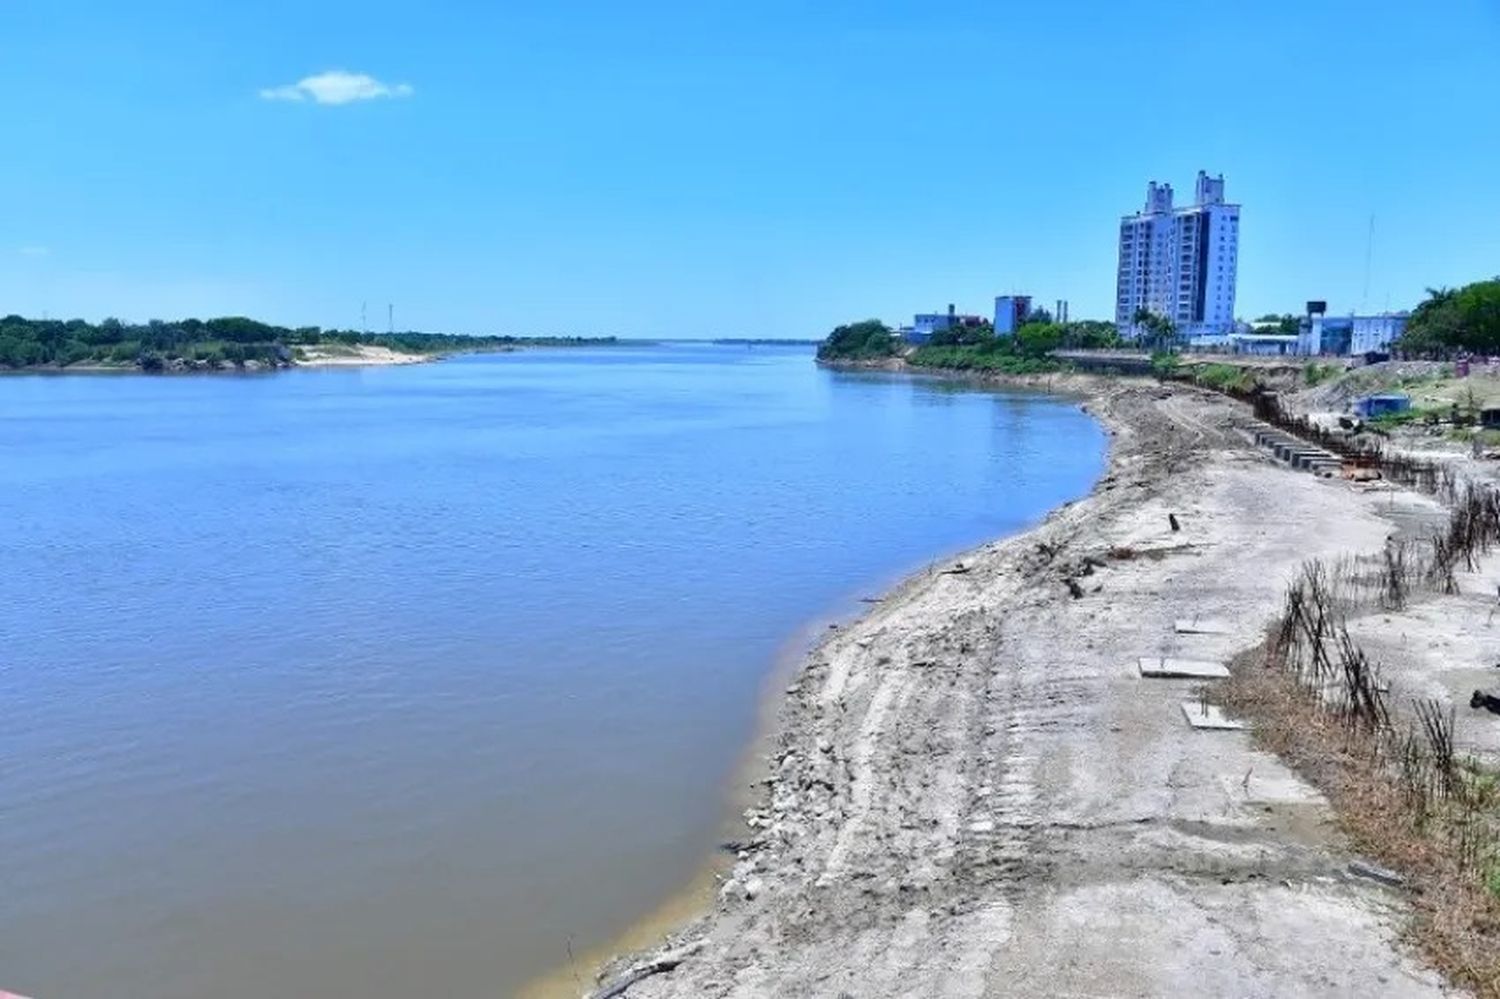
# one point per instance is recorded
(1182, 669)
(1209, 716)
(1270, 784)
(1200, 626)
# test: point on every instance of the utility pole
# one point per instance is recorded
(364, 322)
(390, 319)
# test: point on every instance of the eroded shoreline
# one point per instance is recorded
(969, 782)
(695, 897)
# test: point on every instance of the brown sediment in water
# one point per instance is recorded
(577, 977)
(695, 898)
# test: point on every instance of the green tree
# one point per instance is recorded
(1090, 334)
(1451, 320)
(966, 335)
(1156, 332)
(1285, 324)
(1038, 339)
(1479, 313)
(870, 338)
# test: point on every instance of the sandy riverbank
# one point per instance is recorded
(973, 793)
(353, 355)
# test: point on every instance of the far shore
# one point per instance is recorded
(314, 356)
(319, 356)
(971, 792)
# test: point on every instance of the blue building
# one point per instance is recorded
(1382, 404)
(1011, 312)
(924, 324)
(1345, 335)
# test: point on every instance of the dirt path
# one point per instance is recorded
(975, 794)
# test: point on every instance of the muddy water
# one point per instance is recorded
(388, 681)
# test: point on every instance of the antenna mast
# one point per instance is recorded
(1364, 302)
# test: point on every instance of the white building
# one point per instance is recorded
(1181, 262)
(1355, 335)
(925, 324)
(1266, 344)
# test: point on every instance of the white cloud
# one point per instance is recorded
(336, 86)
(33, 251)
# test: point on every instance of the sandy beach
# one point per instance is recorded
(353, 355)
(973, 791)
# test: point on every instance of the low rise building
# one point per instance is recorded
(932, 322)
(1265, 344)
(925, 324)
(1352, 335)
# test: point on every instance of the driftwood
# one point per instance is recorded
(1124, 554)
(662, 963)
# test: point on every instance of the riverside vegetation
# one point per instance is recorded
(971, 348)
(1453, 320)
(212, 344)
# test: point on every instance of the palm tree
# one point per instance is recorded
(1160, 332)
(1436, 299)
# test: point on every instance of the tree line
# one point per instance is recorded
(971, 346)
(223, 342)
(1455, 320)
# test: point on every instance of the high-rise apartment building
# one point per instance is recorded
(1180, 263)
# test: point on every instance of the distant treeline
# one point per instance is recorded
(766, 342)
(231, 341)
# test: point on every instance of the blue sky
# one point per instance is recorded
(715, 168)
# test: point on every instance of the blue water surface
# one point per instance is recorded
(398, 681)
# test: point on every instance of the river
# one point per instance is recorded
(408, 680)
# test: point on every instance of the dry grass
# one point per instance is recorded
(1395, 780)
(1456, 915)
(1397, 785)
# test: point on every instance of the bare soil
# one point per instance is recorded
(974, 793)
(330, 355)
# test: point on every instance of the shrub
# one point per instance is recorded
(1165, 365)
(1224, 377)
(981, 359)
(1316, 374)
